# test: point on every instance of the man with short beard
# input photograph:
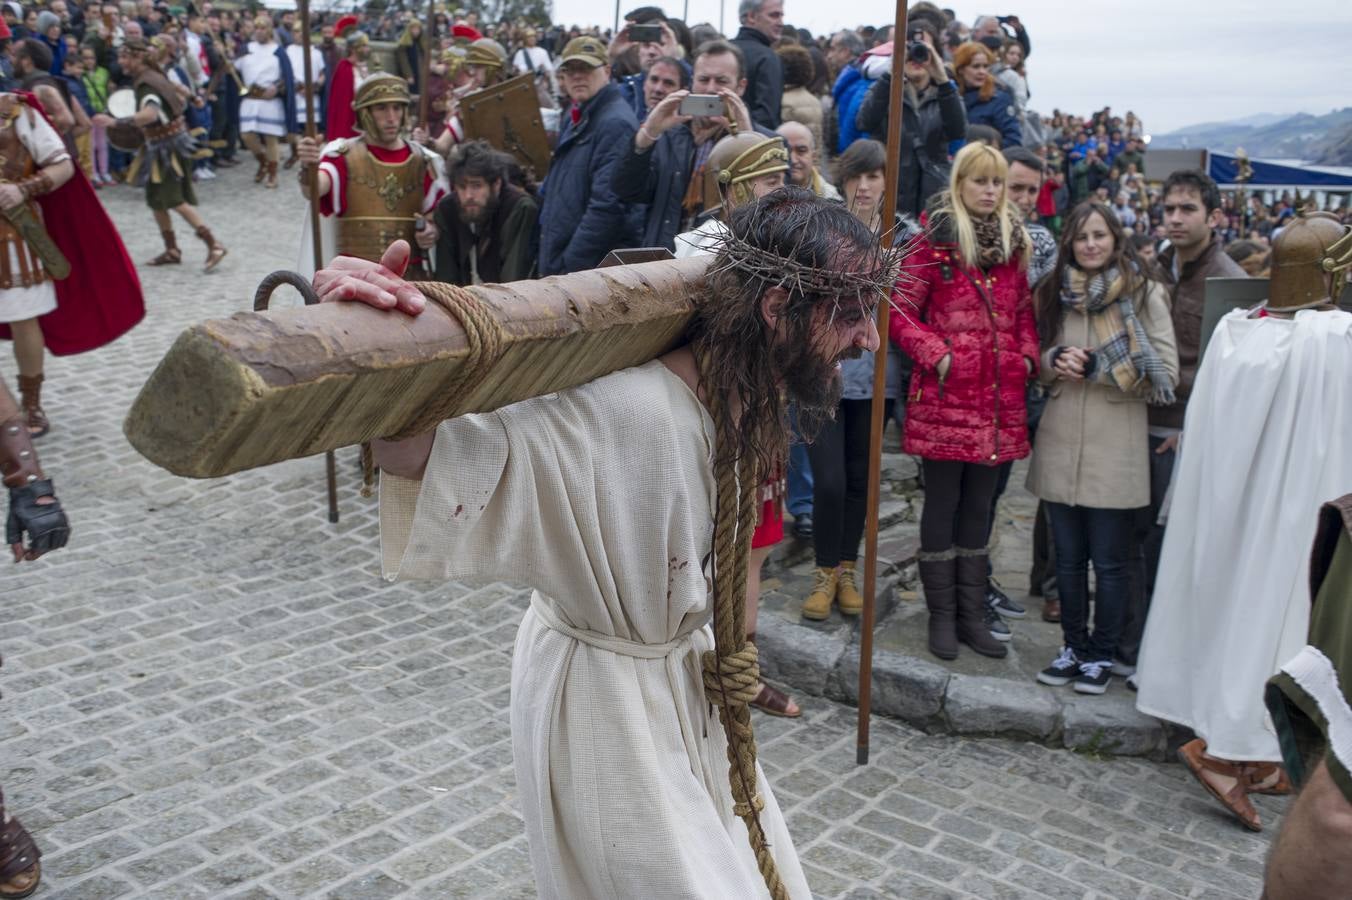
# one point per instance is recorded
(609, 499)
(485, 223)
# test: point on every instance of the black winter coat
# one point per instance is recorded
(764, 77)
(928, 124)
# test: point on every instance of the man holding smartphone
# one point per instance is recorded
(664, 163)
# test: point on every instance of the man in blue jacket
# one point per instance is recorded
(582, 219)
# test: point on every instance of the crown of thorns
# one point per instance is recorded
(874, 274)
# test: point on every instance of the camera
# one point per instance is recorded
(645, 34)
(917, 52)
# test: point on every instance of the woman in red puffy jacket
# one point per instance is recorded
(962, 311)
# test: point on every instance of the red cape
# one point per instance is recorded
(342, 121)
(101, 298)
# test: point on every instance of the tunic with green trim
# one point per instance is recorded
(1310, 698)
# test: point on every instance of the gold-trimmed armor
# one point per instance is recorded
(16, 164)
(383, 201)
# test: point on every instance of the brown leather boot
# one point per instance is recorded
(938, 577)
(972, 569)
(262, 168)
(817, 606)
(30, 389)
(215, 249)
(272, 174)
(171, 256)
(293, 158)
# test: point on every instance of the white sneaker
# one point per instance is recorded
(206, 174)
(1123, 670)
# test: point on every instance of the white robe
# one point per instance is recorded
(1266, 442)
(602, 499)
(296, 54)
(260, 67)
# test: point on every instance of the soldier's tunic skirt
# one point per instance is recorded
(29, 292)
(166, 174)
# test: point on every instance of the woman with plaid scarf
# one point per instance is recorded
(1107, 352)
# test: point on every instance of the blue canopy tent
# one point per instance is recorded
(1224, 168)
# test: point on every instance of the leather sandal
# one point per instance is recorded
(1236, 800)
(20, 871)
(1267, 778)
(774, 702)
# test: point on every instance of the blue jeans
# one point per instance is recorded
(799, 500)
(1104, 536)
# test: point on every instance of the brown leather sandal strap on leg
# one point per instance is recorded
(18, 853)
(1236, 799)
(774, 702)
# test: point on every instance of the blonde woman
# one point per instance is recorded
(964, 315)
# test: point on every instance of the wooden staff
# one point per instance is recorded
(875, 454)
(312, 178)
(425, 68)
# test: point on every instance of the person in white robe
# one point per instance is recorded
(262, 111)
(1267, 439)
(295, 52)
(602, 498)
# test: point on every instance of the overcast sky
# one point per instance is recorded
(1175, 62)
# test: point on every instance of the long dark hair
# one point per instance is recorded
(794, 225)
(1050, 311)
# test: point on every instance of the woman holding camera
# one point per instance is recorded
(965, 317)
(1107, 351)
(932, 116)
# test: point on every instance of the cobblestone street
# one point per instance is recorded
(212, 694)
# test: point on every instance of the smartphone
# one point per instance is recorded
(702, 106)
(645, 34)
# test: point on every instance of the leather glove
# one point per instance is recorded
(45, 525)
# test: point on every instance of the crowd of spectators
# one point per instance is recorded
(629, 169)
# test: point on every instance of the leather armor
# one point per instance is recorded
(383, 200)
(16, 164)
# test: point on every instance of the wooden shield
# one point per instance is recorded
(507, 115)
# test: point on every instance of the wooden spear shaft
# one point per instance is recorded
(875, 454)
(316, 239)
(425, 68)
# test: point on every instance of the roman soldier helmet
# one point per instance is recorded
(463, 35)
(486, 52)
(346, 28)
(1313, 246)
(379, 87)
(738, 159)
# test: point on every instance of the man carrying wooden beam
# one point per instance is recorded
(627, 503)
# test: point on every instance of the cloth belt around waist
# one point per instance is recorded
(637, 649)
(685, 650)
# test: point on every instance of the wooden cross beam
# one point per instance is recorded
(259, 388)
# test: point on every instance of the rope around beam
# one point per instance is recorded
(485, 337)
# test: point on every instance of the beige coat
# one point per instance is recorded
(1092, 446)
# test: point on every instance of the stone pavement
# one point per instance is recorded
(971, 695)
(210, 693)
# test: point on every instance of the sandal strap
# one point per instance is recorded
(772, 699)
(18, 851)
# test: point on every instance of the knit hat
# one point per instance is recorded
(46, 19)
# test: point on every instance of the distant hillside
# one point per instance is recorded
(1334, 150)
(1326, 139)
